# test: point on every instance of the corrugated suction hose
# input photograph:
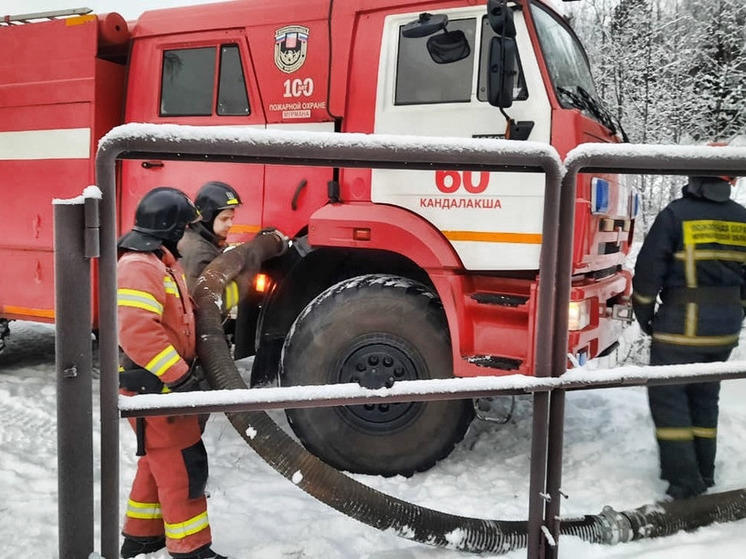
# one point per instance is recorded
(382, 511)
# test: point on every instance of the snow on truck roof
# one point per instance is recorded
(242, 13)
(224, 15)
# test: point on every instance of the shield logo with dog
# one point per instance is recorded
(291, 47)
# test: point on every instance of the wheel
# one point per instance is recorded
(374, 330)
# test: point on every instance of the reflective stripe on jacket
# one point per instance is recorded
(156, 318)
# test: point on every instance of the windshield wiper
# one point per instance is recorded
(574, 98)
(603, 114)
(585, 101)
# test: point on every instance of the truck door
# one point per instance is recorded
(493, 221)
(194, 79)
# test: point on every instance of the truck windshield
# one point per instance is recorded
(564, 57)
(568, 68)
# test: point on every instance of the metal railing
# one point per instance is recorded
(620, 159)
(392, 152)
(316, 149)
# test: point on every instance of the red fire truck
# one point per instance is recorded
(395, 274)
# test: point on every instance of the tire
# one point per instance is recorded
(374, 330)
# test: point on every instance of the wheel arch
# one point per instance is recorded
(390, 228)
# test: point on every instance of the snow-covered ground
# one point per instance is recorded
(610, 459)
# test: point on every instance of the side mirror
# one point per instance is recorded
(449, 46)
(500, 17)
(426, 24)
(502, 72)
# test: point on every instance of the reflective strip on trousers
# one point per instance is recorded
(145, 511)
(674, 433)
(705, 432)
(181, 530)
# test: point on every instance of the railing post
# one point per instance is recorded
(73, 358)
(108, 356)
(554, 470)
(537, 481)
(546, 311)
(559, 359)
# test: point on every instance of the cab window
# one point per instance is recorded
(232, 99)
(420, 80)
(189, 87)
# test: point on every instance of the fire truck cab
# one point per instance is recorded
(396, 274)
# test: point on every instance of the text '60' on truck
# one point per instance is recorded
(396, 274)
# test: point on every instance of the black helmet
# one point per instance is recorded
(160, 218)
(213, 197)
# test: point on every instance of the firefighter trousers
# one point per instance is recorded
(167, 496)
(686, 417)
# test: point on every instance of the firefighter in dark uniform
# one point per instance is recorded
(693, 259)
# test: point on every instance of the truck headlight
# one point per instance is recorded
(579, 315)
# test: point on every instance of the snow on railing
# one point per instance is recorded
(416, 390)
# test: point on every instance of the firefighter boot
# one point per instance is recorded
(679, 467)
(204, 552)
(134, 546)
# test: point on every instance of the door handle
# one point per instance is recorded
(151, 164)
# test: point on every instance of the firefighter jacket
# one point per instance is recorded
(156, 318)
(198, 247)
(693, 258)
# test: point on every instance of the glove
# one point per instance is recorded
(283, 239)
(193, 380)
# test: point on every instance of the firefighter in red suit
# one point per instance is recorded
(167, 505)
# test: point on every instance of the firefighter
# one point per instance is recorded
(203, 241)
(693, 259)
(167, 505)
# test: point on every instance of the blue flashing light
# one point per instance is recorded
(599, 196)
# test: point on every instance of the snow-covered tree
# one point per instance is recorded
(673, 71)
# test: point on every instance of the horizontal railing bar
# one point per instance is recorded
(148, 141)
(656, 159)
(335, 162)
(290, 397)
